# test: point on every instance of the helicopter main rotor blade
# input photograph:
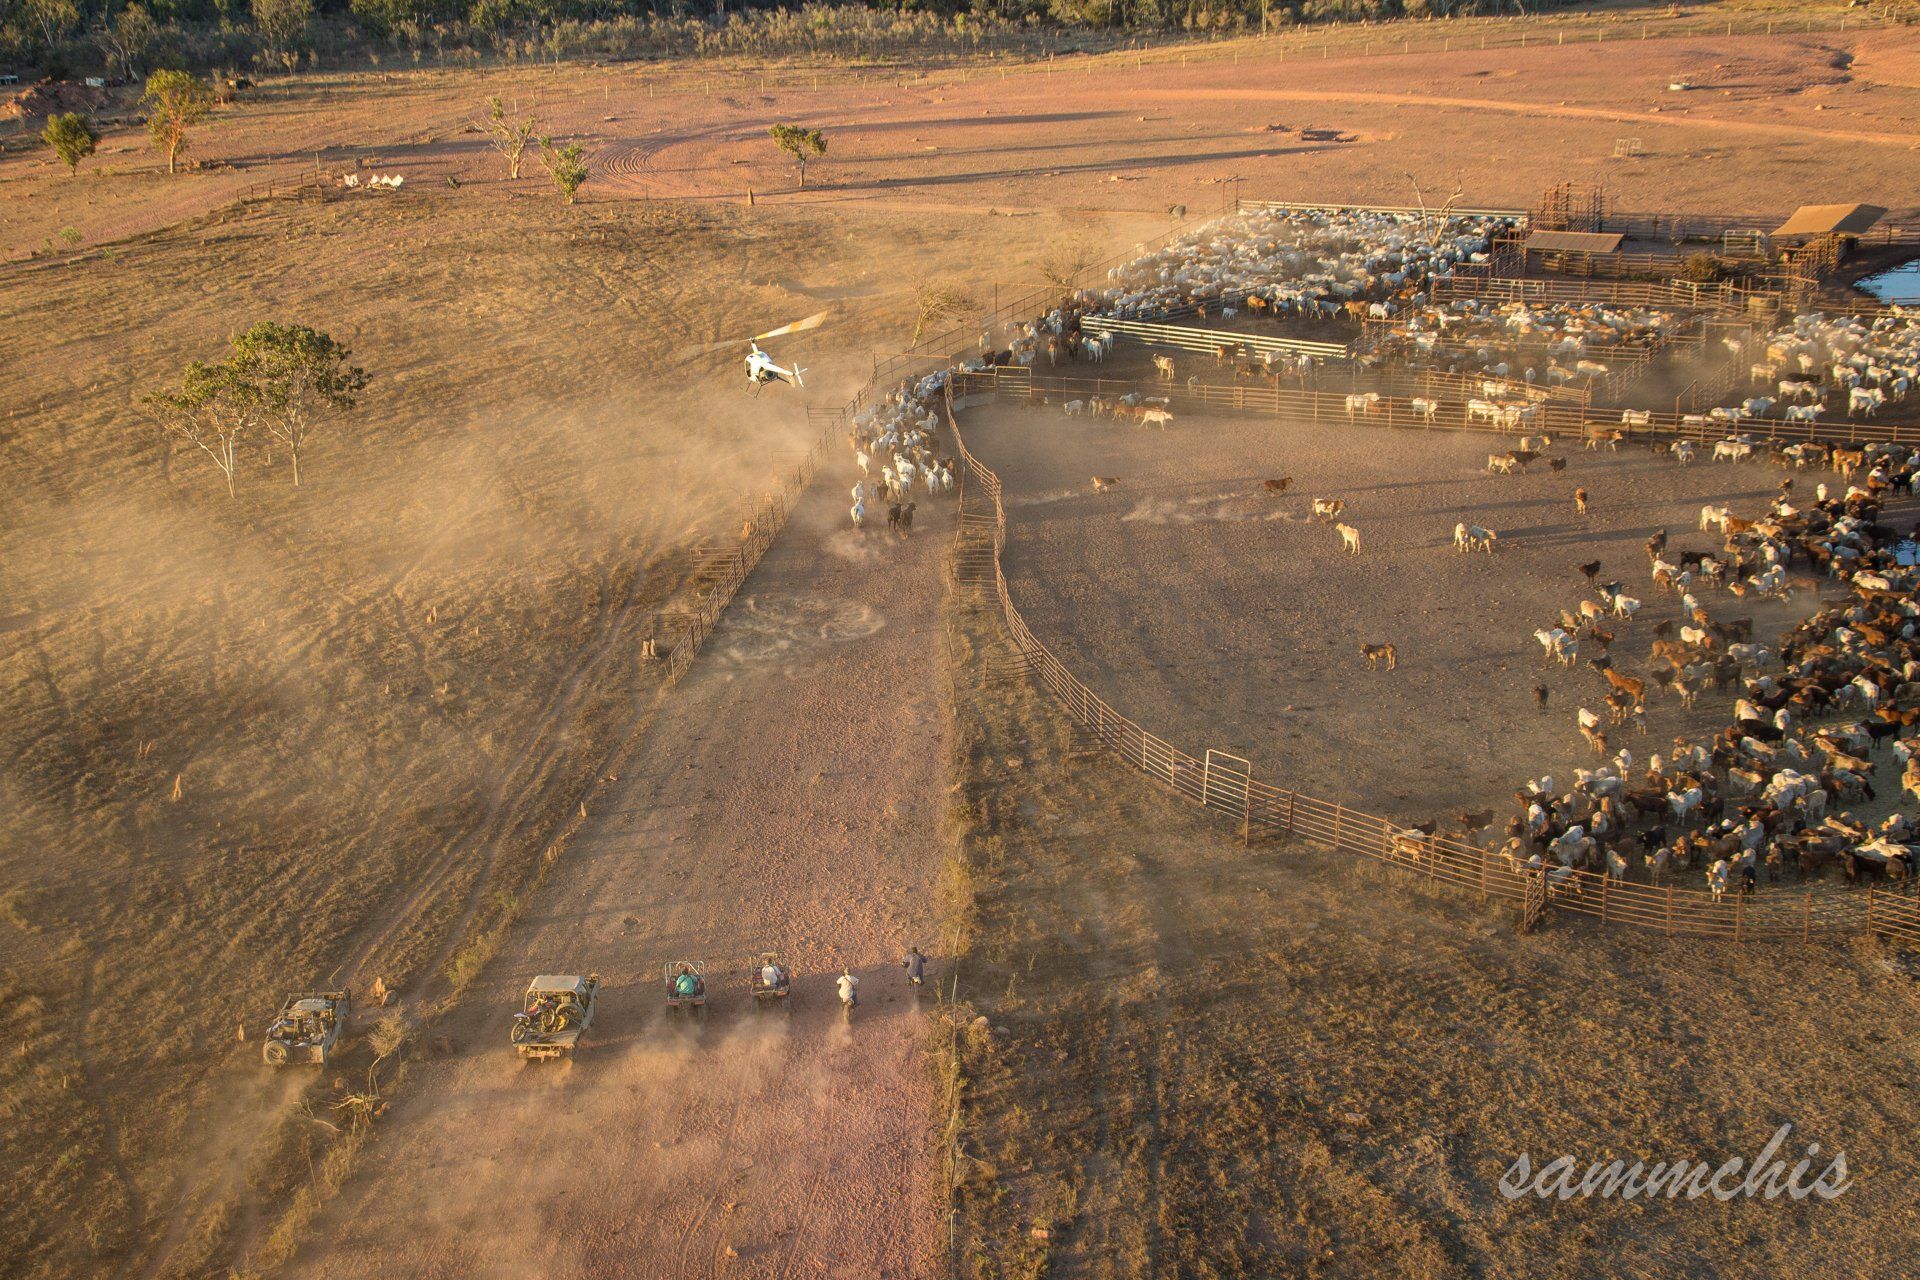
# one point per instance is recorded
(813, 321)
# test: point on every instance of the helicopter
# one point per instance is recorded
(761, 367)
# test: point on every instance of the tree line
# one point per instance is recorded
(126, 38)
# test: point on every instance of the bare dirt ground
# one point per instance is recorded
(789, 796)
(381, 697)
(1221, 617)
(1209, 1061)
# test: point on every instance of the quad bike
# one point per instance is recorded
(776, 993)
(688, 997)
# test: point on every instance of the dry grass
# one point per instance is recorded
(1218, 1062)
(384, 694)
(391, 680)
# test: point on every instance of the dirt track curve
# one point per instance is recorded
(788, 795)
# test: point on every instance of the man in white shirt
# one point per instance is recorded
(849, 988)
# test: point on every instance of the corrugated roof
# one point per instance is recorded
(1830, 219)
(1574, 242)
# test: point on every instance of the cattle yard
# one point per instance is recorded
(1146, 580)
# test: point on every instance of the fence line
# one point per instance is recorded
(1264, 810)
(1521, 36)
(1209, 341)
(1552, 417)
(1619, 293)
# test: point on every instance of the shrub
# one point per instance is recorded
(72, 138)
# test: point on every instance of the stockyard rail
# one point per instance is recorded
(1627, 362)
(1437, 384)
(1209, 341)
(1571, 421)
(1614, 293)
(1265, 811)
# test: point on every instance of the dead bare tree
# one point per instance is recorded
(937, 300)
(1432, 223)
(1063, 264)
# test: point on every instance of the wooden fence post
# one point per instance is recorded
(1870, 930)
(1739, 902)
(1604, 882)
(1668, 929)
(1339, 815)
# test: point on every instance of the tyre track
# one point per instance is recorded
(691, 1230)
(530, 763)
(1534, 110)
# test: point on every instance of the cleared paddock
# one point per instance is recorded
(1223, 617)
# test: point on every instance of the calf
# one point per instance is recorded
(1375, 654)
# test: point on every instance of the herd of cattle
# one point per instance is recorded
(1541, 345)
(1312, 263)
(898, 434)
(1810, 720)
(1869, 363)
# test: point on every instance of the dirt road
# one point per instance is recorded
(788, 796)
